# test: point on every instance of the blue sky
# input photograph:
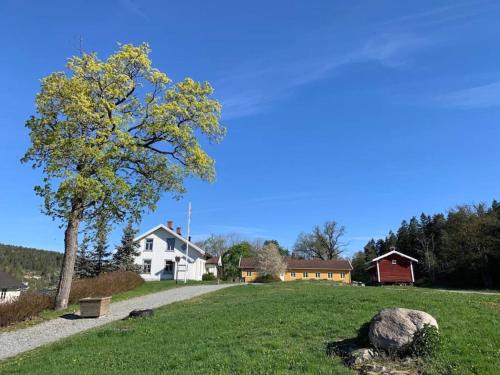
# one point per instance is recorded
(361, 112)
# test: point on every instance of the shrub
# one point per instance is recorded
(26, 307)
(208, 277)
(266, 279)
(104, 285)
(426, 342)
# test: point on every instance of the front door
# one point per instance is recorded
(168, 271)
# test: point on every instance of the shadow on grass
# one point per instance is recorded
(345, 347)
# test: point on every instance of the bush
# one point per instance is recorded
(208, 277)
(426, 342)
(266, 279)
(26, 307)
(104, 285)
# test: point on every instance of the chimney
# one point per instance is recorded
(170, 224)
(178, 230)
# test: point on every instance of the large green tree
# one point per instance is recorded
(111, 136)
(231, 258)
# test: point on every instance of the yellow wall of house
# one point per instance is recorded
(249, 278)
(299, 275)
(323, 275)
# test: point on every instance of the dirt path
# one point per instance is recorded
(20, 341)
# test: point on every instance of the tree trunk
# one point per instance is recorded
(70, 250)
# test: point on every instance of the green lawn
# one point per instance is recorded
(269, 329)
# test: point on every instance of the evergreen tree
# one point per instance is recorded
(123, 258)
(84, 266)
(100, 255)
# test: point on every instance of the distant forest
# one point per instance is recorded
(40, 268)
(457, 249)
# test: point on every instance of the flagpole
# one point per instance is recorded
(187, 242)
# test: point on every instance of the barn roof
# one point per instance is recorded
(394, 252)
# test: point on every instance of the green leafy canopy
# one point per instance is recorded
(114, 134)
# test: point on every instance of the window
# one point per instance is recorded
(394, 261)
(318, 275)
(249, 273)
(305, 275)
(330, 275)
(292, 274)
(149, 244)
(3, 294)
(146, 266)
(342, 275)
(169, 266)
(170, 244)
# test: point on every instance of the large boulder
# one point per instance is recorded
(391, 329)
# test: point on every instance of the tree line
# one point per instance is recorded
(458, 249)
(40, 268)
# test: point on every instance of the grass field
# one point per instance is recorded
(269, 329)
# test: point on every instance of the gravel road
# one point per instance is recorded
(16, 342)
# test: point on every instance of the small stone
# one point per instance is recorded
(141, 313)
(362, 355)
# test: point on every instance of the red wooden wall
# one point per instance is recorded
(395, 273)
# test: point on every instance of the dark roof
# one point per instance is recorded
(292, 263)
(332, 264)
(8, 282)
(213, 260)
(248, 263)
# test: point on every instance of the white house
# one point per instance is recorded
(163, 255)
(10, 288)
(213, 264)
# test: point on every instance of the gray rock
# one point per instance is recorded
(391, 329)
(141, 313)
(359, 356)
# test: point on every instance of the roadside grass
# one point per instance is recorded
(141, 290)
(270, 329)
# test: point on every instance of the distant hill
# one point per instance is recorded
(39, 268)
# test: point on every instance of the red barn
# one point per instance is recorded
(392, 268)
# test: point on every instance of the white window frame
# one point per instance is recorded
(149, 244)
(249, 273)
(3, 294)
(292, 274)
(305, 275)
(342, 275)
(318, 275)
(394, 261)
(144, 261)
(170, 241)
(330, 275)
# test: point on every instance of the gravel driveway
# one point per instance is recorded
(16, 342)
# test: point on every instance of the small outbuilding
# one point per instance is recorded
(392, 268)
(213, 264)
(10, 288)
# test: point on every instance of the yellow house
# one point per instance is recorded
(303, 269)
